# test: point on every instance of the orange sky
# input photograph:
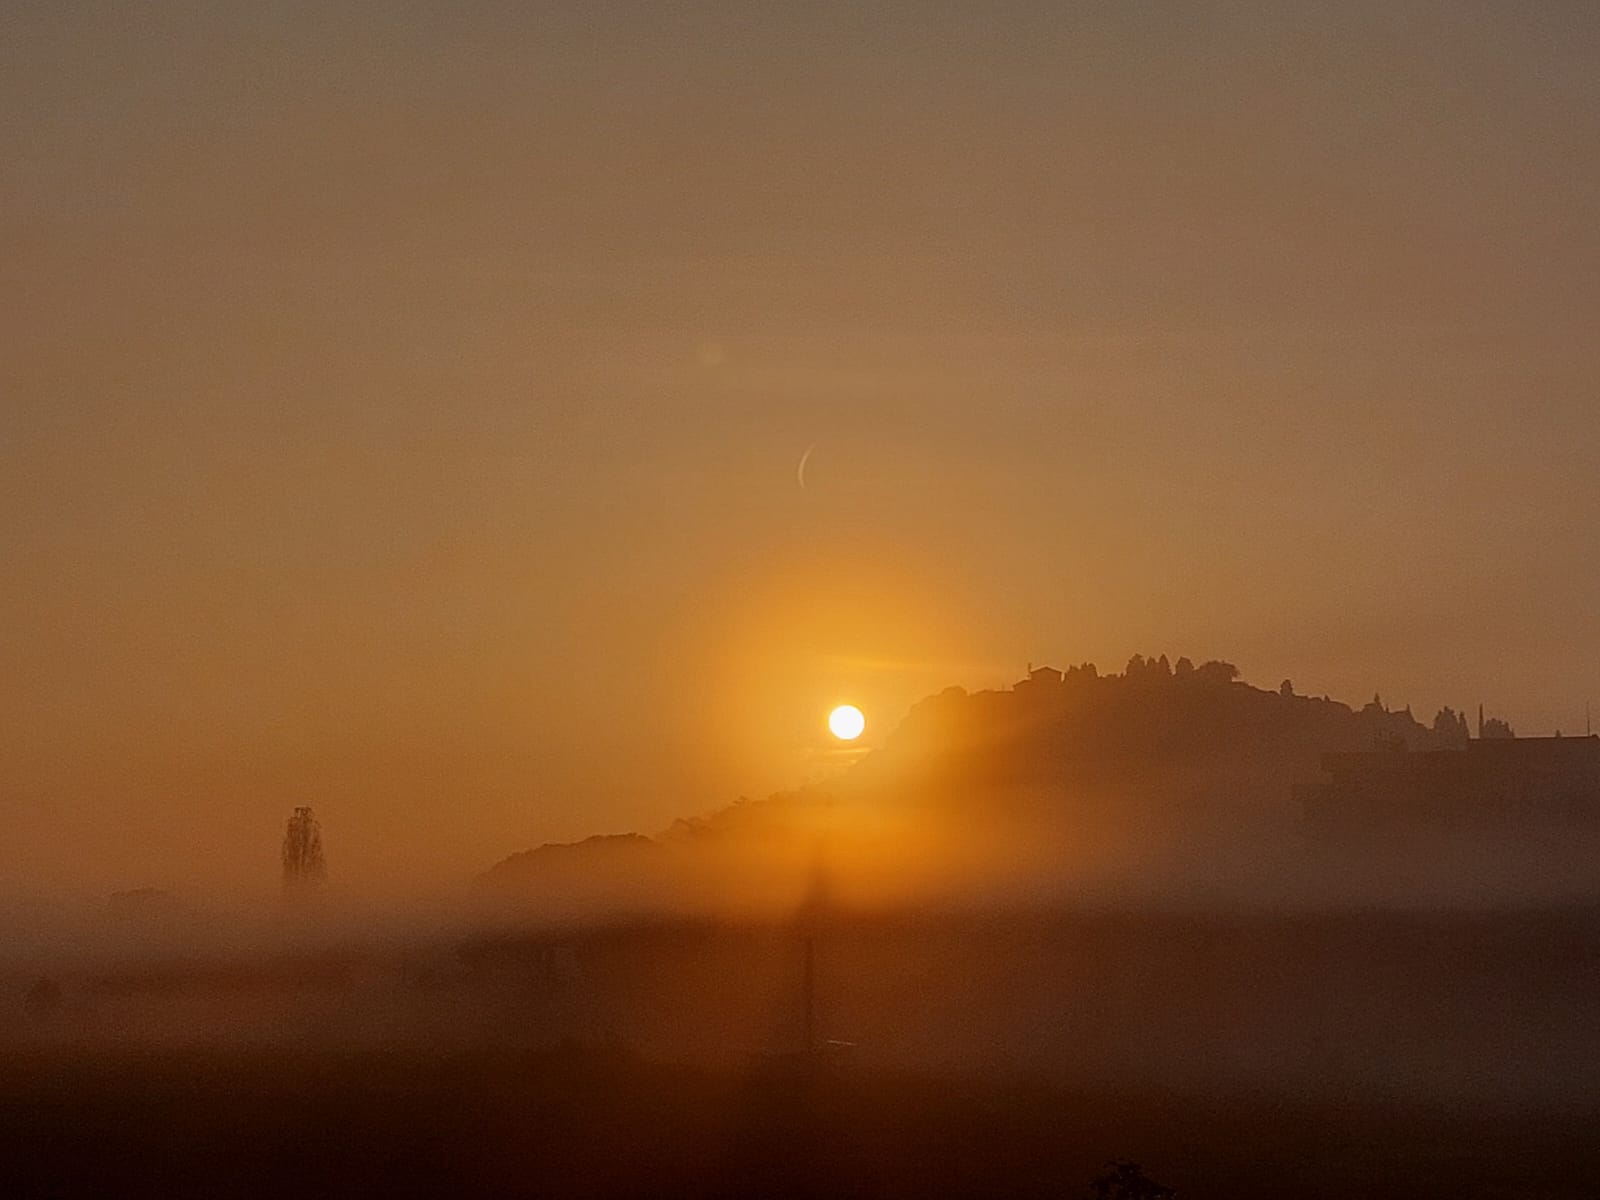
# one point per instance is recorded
(400, 404)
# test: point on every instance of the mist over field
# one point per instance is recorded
(1133, 916)
(1085, 881)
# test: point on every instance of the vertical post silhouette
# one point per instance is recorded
(809, 997)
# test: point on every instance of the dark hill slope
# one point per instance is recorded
(1132, 773)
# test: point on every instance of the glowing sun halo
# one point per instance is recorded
(846, 722)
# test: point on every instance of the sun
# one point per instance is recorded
(846, 722)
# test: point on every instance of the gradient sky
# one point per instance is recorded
(400, 403)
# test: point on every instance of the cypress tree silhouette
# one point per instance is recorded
(303, 861)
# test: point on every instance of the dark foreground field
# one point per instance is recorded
(1357, 1054)
(586, 1122)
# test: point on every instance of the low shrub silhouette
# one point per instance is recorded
(1124, 1180)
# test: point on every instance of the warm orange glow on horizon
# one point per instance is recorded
(510, 513)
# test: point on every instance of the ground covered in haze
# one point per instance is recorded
(1232, 1055)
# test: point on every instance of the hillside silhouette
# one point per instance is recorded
(1166, 775)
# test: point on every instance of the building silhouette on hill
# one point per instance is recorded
(1490, 785)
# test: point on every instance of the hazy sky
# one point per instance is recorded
(400, 403)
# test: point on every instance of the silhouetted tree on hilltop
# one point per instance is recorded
(1216, 672)
(1451, 727)
(1150, 669)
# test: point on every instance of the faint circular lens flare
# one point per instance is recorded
(846, 722)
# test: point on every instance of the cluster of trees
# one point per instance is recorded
(1452, 727)
(1156, 713)
(1449, 730)
(1141, 669)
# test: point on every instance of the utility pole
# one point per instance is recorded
(809, 999)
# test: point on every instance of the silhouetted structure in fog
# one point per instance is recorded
(1038, 681)
(303, 861)
(1496, 784)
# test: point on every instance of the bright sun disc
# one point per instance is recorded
(846, 722)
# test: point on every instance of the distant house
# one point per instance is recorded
(1039, 681)
(1496, 785)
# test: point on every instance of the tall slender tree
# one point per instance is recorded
(303, 862)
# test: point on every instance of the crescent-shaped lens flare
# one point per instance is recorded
(800, 471)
